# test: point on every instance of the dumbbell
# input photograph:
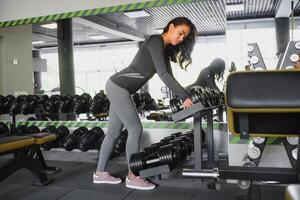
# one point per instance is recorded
(6, 104)
(257, 141)
(177, 134)
(295, 153)
(141, 160)
(61, 132)
(21, 130)
(50, 107)
(14, 108)
(178, 145)
(82, 103)
(121, 142)
(100, 104)
(247, 162)
(253, 151)
(67, 105)
(33, 129)
(175, 105)
(91, 139)
(292, 140)
(188, 138)
(138, 99)
(197, 95)
(3, 129)
(28, 107)
(70, 141)
(151, 149)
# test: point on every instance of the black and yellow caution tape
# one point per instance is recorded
(96, 11)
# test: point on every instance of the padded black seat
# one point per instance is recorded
(264, 103)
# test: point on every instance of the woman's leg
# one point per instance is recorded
(113, 131)
(122, 112)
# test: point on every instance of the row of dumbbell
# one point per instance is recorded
(81, 138)
(171, 150)
(207, 96)
(84, 140)
(28, 104)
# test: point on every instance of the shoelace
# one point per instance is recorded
(138, 177)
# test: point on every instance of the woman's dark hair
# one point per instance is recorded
(181, 53)
(217, 68)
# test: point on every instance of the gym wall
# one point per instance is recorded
(16, 60)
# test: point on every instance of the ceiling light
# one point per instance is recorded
(234, 7)
(137, 14)
(98, 37)
(38, 42)
(50, 26)
(159, 30)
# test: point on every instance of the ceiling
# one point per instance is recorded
(209, 16)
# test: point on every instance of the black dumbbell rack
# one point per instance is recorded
(198, 111)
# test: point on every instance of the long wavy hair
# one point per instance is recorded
(217, 68)
(181, 53)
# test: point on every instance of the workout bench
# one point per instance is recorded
(27, 154)
(264, 104)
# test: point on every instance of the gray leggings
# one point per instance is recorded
(122, 112)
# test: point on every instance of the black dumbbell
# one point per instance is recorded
(21, 130)
(33, 129)
(100, 104)
(61, 132)
(90, 140)
(141, 160)
(82, 103)
(70, 141)
(175, 105)
(3, 129)
(180, 145)
(121, 142)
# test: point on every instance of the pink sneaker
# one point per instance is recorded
(105, 177)
(139, 184)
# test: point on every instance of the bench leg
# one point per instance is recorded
(31, 164)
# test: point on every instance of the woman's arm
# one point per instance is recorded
(156, 50)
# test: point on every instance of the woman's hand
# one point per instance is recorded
(187, 103)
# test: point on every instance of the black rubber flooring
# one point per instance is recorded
(75, 183)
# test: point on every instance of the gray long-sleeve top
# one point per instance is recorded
(150, 59)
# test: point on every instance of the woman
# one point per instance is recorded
(210, 74)
(176, 44)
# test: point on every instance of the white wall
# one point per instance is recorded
(92, 66)
(16, 9)
(16, 71)
(261, 32)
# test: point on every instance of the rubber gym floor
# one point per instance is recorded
(75, 183)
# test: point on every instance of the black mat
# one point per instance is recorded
(75, 182)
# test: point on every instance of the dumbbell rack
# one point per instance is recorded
(198, 111)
